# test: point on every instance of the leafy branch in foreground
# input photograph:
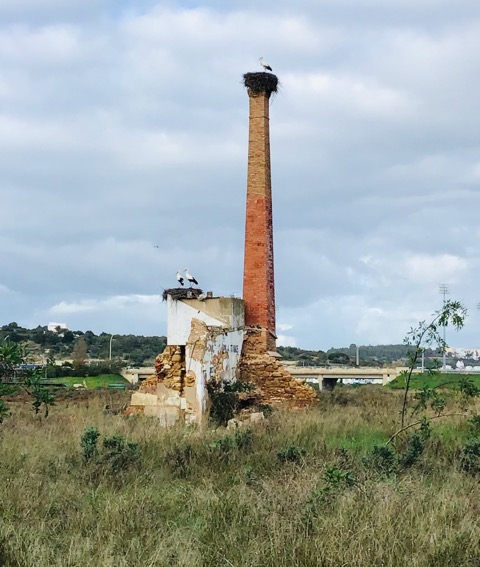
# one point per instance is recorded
(12, 357)
(429, 404)
(427, 335)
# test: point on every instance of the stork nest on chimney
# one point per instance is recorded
(177, 293)
(261, 82)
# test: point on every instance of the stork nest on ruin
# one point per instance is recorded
(261, 82)
(177, 293)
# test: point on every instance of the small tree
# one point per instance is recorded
(12, 357)
(79, 354)
(426, 335)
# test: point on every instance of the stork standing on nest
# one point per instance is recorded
(264, 64)
(179, 278)
(190, 278)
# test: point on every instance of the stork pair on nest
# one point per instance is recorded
(189, 277)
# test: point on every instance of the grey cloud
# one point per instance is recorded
(135, 134)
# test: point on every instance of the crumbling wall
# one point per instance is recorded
(273, 383)
(212, 355)
(178, 390)
(162, 395)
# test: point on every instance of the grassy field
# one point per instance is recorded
(100, 381)
(435, 380)
(298, 491)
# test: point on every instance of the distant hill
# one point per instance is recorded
(138, 350)
(44, 344)
(379, 355)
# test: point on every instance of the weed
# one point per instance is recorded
(119, 453)
(415, 448)
(179, 459)
(470, 457)
(292, 454)
(225, 399)
(241, 439)
(382, 460)
(474, 423)
(337, 478)
(89, 443)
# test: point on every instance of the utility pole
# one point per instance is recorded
(443, 288)
(110, 351)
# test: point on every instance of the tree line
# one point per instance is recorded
(47, 346)
(136, 350)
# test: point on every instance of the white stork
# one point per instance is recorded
(264, 64)
(190, 278)
(179, 277)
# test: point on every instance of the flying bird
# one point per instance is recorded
(264, 64)
(156, 246)
(179, 277)
(190, 278)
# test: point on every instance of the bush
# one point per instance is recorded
(416, 445)
(118, 454)
(291, 454)
(179, 460)
(470, 457)
(89, 443)
(382, 459)
(241, 440)
(225, 400)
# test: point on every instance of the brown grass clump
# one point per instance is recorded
(273, 496)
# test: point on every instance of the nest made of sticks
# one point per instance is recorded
(261, 82)
(177, 293)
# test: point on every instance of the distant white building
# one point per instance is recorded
(54, 327)
(471, 353)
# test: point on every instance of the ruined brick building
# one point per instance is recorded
(222, 339)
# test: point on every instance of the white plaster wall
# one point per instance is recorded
(179, 319)
(229, 343)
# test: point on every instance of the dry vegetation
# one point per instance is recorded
(294, 492)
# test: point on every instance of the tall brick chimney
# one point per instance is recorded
(258, 274)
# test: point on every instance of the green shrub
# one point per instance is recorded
(337, 478)
(416, 445)
(242, 439)
(225, 399)
(291, 454)
(474, 423)
(470, 457)
(179, 459)
(89, 443)
(118, 453)
(382, 459)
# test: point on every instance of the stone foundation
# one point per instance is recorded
(274, 385)
(162, 395)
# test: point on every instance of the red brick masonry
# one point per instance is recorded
(258, 275)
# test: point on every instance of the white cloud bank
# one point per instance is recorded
(124, 125)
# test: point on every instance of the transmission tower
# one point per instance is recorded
(443, 289)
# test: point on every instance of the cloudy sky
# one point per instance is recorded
(124, 125)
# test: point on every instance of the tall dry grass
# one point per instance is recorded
(210, 498)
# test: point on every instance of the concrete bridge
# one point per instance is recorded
(325, 377)
(328, 377)
(135, 375)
